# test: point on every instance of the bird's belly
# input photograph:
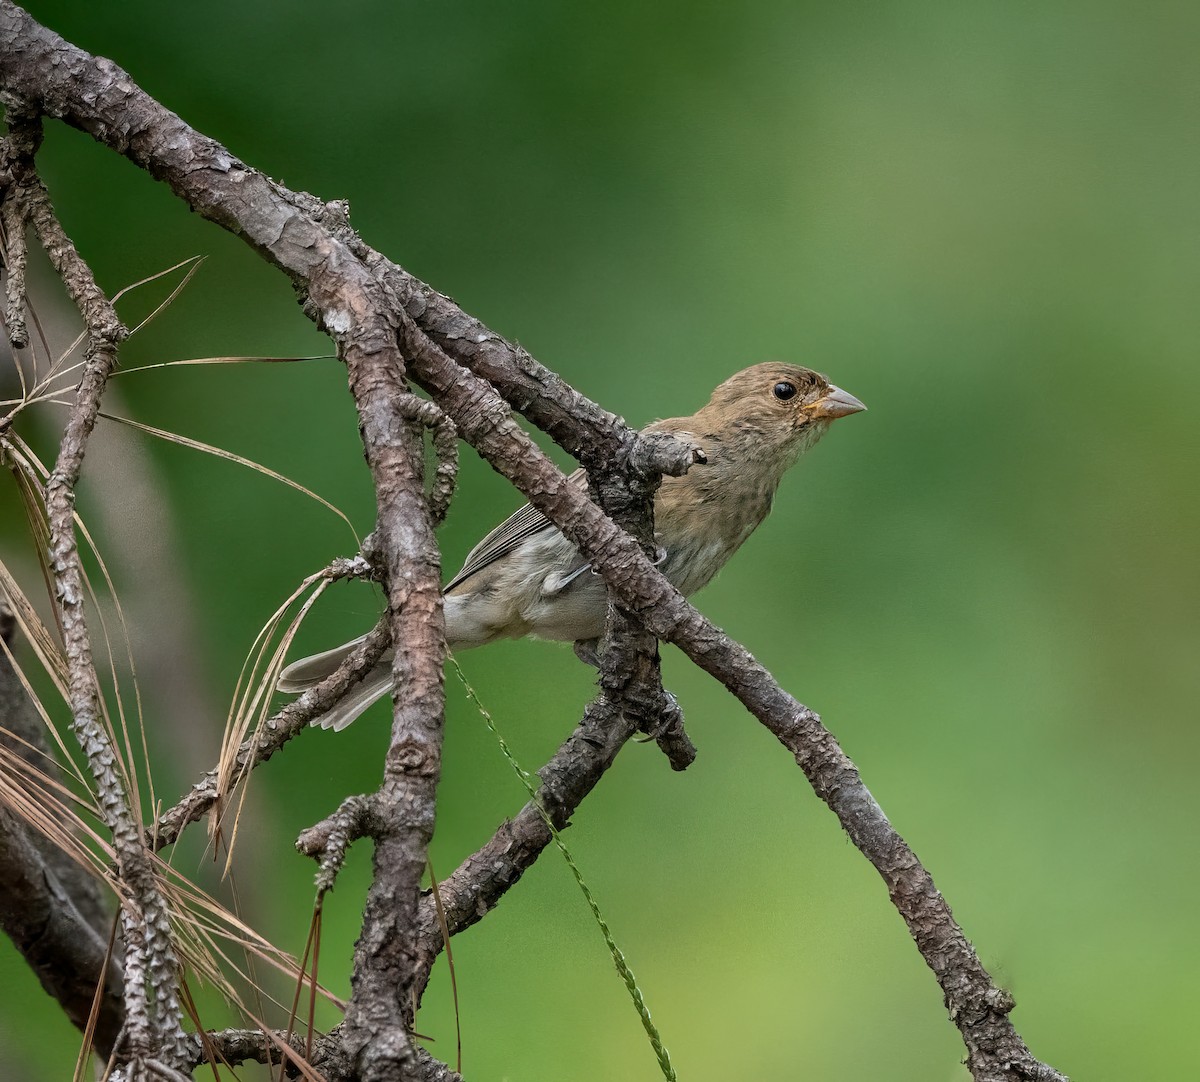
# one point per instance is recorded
(691, 564)
(575, 613)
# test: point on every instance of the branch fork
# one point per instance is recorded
(328, 841)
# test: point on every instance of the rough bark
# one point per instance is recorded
(50, 907)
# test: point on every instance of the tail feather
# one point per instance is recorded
(375, 685)
(464, 627)
(301, 675)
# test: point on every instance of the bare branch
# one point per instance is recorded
(15, 253)
(151, 1025)
(235, 1046)
(49, 906)
(377, 1028)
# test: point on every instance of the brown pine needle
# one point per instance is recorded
(211, 1052)
(54, 812)
(48, 657)
(314, 925)
(89, 1033)
(195, 262)
(250, 706)
(312, 988)
(203, 921)
(306, 1069)
(229, 456)
(42, 389)
(184, 361)
(445, 927)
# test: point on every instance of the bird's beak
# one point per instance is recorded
(837, 403)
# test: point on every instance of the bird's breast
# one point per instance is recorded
(700, 535)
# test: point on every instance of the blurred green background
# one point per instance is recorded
(982, 220)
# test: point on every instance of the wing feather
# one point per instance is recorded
(520, 525)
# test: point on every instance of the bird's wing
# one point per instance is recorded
(521, 524)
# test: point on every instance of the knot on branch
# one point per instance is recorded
(350, 567)
(656, 454)
(329, 840)
(445, 446)
(653, 709)
(335, 217)
(411, 758)
(631, 680)
(1001, 1000)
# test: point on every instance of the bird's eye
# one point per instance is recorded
(784, 390)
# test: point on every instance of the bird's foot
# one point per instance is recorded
(587, 650)
(662, 722)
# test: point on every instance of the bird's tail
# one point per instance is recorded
(466, 626)
(301, 675)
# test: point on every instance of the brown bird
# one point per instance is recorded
(525, 578)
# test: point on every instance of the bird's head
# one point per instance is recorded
(783, 408)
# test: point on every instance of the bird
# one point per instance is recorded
(526, 578)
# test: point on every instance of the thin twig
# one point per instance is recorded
(277, 730)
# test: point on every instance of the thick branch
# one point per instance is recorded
(377, 1028)
(49, 906)
(68, 955)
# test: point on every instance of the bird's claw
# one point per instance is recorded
(667, 717)
(587, 650)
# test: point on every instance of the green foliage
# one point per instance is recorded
(981, 220)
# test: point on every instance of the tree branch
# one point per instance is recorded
(152, 1024)
(377, 1028)
(50, 907)
(236, 1046)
